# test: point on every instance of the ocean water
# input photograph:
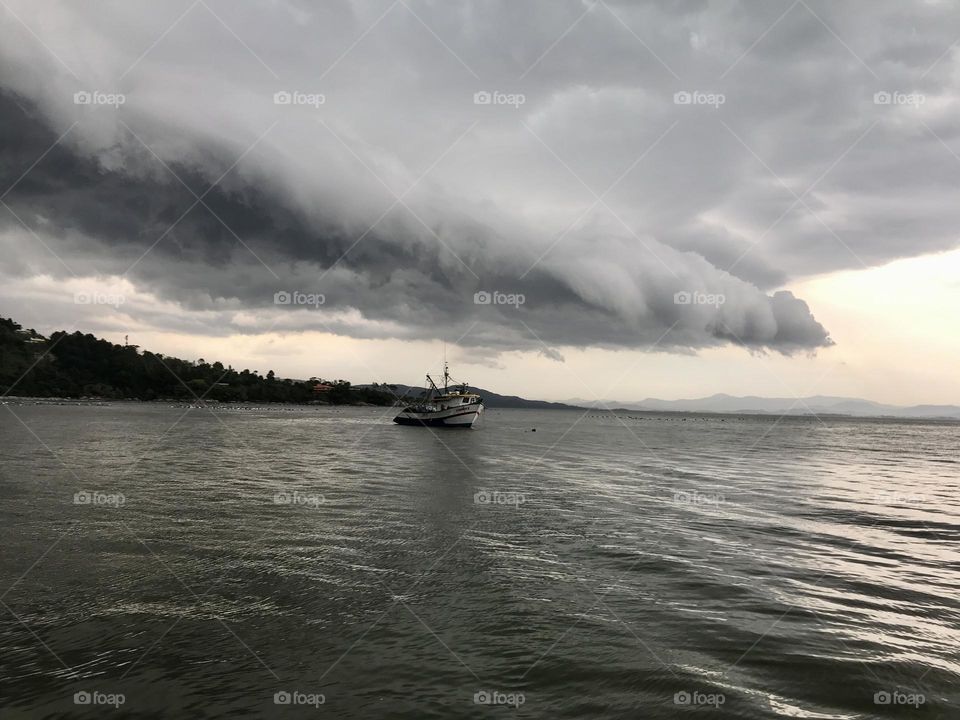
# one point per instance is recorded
(164, 562)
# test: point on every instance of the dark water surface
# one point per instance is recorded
(602, 567)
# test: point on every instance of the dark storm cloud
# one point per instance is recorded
(417, 288)
(598, 200)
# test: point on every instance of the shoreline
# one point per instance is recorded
(679, 415)
(172, 402)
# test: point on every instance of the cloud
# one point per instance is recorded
(597, 198)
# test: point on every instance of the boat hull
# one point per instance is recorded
(464, 417)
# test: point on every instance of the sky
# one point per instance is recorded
(571, 199)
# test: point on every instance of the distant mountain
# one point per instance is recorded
(490, 398)
(817, 404)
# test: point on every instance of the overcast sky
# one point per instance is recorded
(582, 199)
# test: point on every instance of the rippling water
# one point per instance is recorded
(630, 566)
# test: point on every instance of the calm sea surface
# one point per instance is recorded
(320, 562)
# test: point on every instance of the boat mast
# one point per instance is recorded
(446, 374)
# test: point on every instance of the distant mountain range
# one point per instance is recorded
(720, 403)
(817, 404)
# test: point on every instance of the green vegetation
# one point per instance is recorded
(77, 365)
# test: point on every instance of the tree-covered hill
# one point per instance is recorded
(77, 365)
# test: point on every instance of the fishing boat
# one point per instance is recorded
(453, 406)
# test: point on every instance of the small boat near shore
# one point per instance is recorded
(453, 406)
